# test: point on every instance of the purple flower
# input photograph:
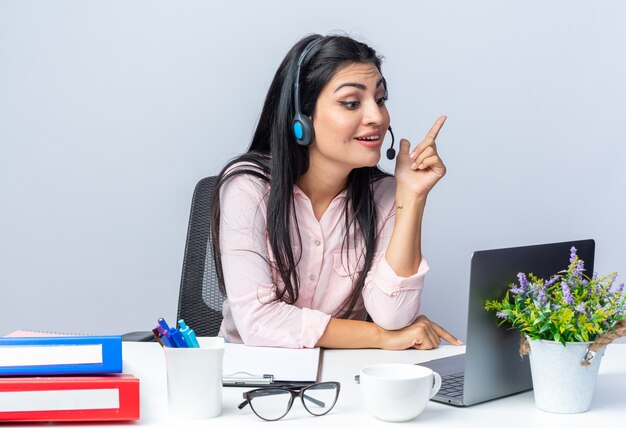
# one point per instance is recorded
(540, 297)
(579, 269)
(567, 294)
(523, 281)
(552, 280)
(620, 288)
(517, 290)
(581, 308)
(523, 284)
(500, 314)
(572, 254)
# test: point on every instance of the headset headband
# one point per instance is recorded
(296, 85)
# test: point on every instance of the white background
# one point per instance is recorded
(110, 112)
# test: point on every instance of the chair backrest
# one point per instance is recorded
(200, 300)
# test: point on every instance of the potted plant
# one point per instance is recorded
(566, 323)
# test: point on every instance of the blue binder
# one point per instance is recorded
(60, 355)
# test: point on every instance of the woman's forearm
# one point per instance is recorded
(404, 252)
(351, 334)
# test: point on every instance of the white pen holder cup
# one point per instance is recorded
(194, 379)
(397, 392)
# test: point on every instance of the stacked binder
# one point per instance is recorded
(65, 378)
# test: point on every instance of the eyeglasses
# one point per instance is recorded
(273, 403)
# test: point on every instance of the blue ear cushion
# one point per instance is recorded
(297, 130)
(302, 130)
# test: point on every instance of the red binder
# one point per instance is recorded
(69, 398)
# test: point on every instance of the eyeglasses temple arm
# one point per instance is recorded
(315, 401)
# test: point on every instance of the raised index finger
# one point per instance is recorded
(434, 131)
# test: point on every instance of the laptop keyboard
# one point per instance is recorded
(452, 385)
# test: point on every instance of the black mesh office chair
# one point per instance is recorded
(200, 300)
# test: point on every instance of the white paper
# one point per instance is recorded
(78, 399)
(284, 364)
(34, 355)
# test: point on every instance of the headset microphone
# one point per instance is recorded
(391, 152)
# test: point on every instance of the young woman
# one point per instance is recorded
(309, 236)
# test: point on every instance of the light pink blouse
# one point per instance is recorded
(324, 271)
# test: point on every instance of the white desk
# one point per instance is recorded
(146, 361)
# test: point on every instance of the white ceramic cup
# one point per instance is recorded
(397, 392)
(194, 379)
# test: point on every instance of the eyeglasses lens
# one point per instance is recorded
(271, 404)
(319, 399)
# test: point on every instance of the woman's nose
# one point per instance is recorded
(373, 114)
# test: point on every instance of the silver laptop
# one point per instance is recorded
(491, 366)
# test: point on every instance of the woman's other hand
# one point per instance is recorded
(422, 334)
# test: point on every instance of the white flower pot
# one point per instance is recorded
(561, 383)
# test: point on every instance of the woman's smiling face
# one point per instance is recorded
(351, 118)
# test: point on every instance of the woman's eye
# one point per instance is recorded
(381, 101)
(350, 105)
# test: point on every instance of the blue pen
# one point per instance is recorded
(188, 334)
(163, 324)
(164, 329)
(176, 338)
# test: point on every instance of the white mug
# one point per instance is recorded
(397, 392)
(194, 379)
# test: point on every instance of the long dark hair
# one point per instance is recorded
(276, 158)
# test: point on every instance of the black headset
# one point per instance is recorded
(301, 125)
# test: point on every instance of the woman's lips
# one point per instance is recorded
(370, 143)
